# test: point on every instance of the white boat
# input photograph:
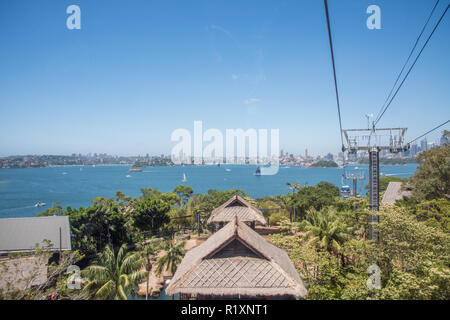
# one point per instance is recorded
(184, 177)
(39, 204)
(127, 176)
(228, 170)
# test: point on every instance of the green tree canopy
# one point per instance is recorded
(432, 179)
(151, 214)
(321, 195)
(184, 193)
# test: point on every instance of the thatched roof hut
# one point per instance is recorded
(237, 206)
(236, 262)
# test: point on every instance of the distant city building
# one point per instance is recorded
(413, 149)
(329, 156)
(423, 145)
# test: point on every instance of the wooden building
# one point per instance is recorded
(236, 263)
(237, 206)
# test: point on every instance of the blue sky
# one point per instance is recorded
(137, 70)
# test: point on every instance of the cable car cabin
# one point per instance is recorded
(345, 192)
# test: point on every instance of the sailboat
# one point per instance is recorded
(184, 177)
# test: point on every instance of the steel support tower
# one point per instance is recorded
(354, 175)
(374, 191)
(375, 140)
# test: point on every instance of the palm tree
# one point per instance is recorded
(115, 275)
(148, 251)
(324, 229)
(294, 186)
(174, 252)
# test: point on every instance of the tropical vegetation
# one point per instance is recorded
(117, 241)
(116, 275)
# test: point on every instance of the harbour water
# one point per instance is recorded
(21, 189)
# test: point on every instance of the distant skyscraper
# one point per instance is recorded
(424, 145)
(281, 153)
(413, 149)
(306, 153)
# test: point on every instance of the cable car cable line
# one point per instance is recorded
(409, 57)
(412, 66)
(334, 73)
(429, 131)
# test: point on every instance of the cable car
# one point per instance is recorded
(345, 192)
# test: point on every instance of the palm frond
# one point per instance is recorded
(106, 291)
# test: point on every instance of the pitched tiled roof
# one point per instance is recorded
(236, 206)
(237, 260)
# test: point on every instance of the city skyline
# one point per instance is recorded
(133, 74)
(285, 158)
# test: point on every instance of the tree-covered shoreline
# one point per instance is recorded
(324, 164)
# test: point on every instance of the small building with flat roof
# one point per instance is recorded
(22, 234)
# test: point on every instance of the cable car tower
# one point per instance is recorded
(375, 140)
(355, 175)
